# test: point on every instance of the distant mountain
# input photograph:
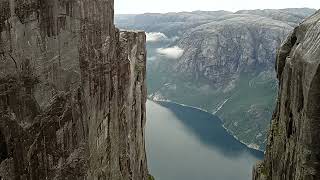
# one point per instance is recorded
(220, 61)
(170, 23)
(291, 15)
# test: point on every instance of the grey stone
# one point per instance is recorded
(72, 92)
(293, 150)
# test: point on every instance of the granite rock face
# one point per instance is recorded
(72, 92)
(293, 149)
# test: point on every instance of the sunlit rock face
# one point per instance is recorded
(72, 92)
(293, 149)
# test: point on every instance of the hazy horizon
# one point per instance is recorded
(161, 6)
(212, 10)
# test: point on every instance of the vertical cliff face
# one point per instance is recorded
(293, 150)
(72, 92)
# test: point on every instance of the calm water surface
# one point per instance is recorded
(184, 143)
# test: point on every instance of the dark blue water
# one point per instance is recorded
(184, 143)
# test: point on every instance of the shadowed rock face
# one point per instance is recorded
(72, 92)
(293, 150)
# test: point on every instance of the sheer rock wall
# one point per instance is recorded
(293, 150)
(72, 92)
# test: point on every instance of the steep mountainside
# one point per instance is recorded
(172, 24)
(72, 92)
(293, 150)
(177, 23)
(226, 66)
(292, 15)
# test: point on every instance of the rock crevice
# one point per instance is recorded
(72, 92)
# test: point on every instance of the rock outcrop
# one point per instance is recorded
(293, 149)
(72, 92)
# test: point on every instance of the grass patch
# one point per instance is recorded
(150, 177)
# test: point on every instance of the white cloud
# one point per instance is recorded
(152, 58)
(174, 38)
(156, 37)
(171, 52)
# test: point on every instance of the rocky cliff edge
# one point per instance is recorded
(72, 92)
(293, 149)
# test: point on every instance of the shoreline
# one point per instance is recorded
(203, 110)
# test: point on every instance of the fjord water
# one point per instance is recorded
(185, 143)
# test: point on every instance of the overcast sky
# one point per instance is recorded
(162, 6)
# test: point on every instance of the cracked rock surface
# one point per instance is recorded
(72, 92)
(293, 149)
